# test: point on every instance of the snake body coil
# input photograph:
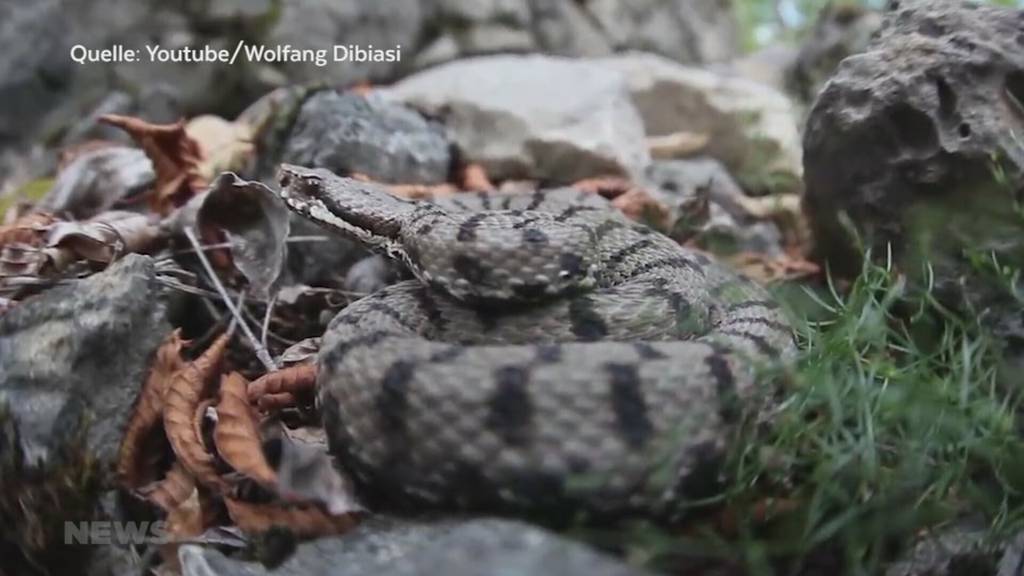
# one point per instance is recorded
(549, 353)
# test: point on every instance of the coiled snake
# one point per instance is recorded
(549, 353)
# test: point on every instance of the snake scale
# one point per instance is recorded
(550, 354)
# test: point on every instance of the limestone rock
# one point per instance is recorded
(839, 31)
(75, 356)
(533, 116)
(752, 127)
(906, 134)
(349, 133)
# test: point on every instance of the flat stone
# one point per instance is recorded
(537, 117)
(481, 547)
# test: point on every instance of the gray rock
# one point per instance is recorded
(771, 65)
(75, 356)
(321, 24)
(565, 29)
(727, 228)
(752, 128)
(533, 116)
(388, 142)
(483, 547)
(903, 138)
(956, 550)
(840, 30)
(688, 31)
(95, 181)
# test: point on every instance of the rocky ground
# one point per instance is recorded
(126, 252)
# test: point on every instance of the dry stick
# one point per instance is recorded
(261, 353)
(266, 320)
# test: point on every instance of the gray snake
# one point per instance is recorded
(550, 353)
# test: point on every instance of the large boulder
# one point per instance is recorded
(539, 117)
(349, 133)
(906, 138)
(751, 127)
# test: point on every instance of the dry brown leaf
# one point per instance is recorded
(148, 410)
(303, 520)
(29, 230)
(100, 239)
(474, 177)
(172, 490)
(175, 155)
(768, 269)
(186, 391)
(223, 146)
(632, 200)
(236, 435)
(269, 403)
(292, 381)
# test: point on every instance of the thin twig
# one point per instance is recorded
(266, 320)
(261, 353)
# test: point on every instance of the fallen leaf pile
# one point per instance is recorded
(202, 480)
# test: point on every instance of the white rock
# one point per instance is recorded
(752, 127)
(538, 117)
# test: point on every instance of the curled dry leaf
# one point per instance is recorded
(634, 201)
(101, 239)
(172, 490)
(255, 223)
(269, 403)
(223, 145)
(303, 520)
(293, 380)
(148, 410)
(175, 156)
(237, 437)
(183, 396)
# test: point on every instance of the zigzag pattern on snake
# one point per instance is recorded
(549, 353)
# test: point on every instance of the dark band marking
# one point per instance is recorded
(425, 229)
(571, 263)
(628, 403)
(337, 354)
(725, 386)
(524, 223)
(768, 323)
(459, 204)
(393, 399)
(530, 291)
(467, 230)
(587, 324)
(567, 213)
(757, 340)
(607, 226)
(752, 304)
(447, 354)
(618, 256)
(422, 213)
(537, 199)
(510, 408)
(469, 268)
(391, 313)
(674, 262)
(430, 309)
(506, 202)
(534, 237)
(647, 352)
(485, 199)
(702, 478)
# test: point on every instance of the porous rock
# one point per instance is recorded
(907, 133)
(74, 358)
(350, 133)
(480, 547)
(533, 116)
(752, 128)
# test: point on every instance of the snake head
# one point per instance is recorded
(361, 211)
